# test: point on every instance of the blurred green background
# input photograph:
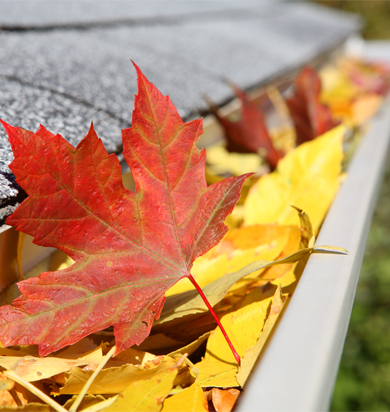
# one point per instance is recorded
(376, 15)
(363, 382)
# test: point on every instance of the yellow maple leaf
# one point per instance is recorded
(308, 177)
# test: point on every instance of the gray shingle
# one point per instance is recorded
(94, 66)
(44, 13)
(57, 113)
(184, 61)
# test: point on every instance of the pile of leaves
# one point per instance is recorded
(354, 90)
(346, 91)
(150, 303)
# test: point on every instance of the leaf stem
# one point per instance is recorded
(198, 288)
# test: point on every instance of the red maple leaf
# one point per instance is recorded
(311, 117)
(128, 248)
(249, 134)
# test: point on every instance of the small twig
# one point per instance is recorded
(198, 288)
(87, 385)
(33, 389)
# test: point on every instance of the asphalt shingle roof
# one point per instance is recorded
(41, 14)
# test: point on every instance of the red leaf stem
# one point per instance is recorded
(198, 288)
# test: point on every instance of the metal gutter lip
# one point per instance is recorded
(298, 367)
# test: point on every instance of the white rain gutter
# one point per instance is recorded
(298, 368)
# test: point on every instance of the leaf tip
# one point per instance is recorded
(330, 249)
(91, 131)
(8, 128)
(138, 70)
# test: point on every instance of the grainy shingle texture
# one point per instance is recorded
(66, 63)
